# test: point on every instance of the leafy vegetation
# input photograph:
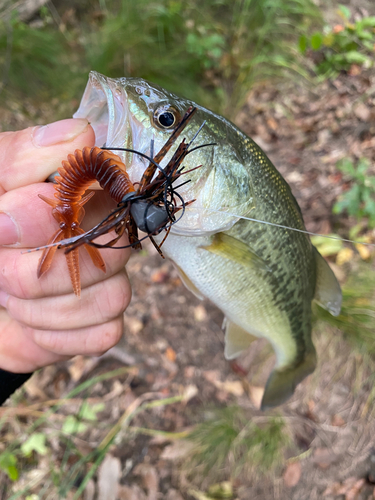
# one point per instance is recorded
(342, 45)
(359, 200)
(228, 440)
(209, 51)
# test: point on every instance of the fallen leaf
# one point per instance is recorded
(344, 255)
(337, 421)
(256, 395)
(200, 313)
(190, 392)
(89, 492)
(364, 251)
(170, 354)
(173, 495)
(354, 491)
(161, 275)
(234, 387)
(323, 457)
(292, 474)
(212, 376)
(109, 475)
(221, 490)
(150, 479)
(131, 493)
(177, 450)
(133, 324)
(362, 112)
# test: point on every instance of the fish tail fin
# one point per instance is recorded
(282, 382)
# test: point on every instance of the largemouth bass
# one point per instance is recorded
(262, 277)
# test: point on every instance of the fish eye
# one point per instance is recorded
(166, 117)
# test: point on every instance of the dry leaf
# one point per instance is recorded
(190, 392)
(150, 479)
(212, 376)
(344, 255)
(292, 474)
(173, 495)
(133, 493)
(364, 251)
(170, 354)
(337, 421)
(109, 475)
(133, 324)
(161, 275)
(256, 395)
(323, 457)
(200, 313)
(177, 450)
(362, 112)
(89, 492)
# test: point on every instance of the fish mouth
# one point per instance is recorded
(104, 105)
(107, 104)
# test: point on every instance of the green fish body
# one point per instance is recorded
(262, 277)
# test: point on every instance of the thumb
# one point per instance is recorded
(32, 154)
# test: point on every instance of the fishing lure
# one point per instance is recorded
(149, 207)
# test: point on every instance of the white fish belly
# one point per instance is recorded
(241, 292)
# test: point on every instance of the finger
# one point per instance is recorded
(89, 341)
(18, 271)
(26, 220)
(31, 155)
(99, 303)
(18, 351)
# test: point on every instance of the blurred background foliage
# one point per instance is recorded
(209, 51)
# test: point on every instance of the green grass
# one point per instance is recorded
(209, 51)
(229, 442)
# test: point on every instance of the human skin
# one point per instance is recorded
(41, 320)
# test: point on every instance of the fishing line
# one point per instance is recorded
(291, 228)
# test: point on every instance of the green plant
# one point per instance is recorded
(359, 200)
(229, 441)
(342, 45)
(209, 51)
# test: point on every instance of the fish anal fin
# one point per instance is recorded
(236, 250)
(282, 382)
(237, 340)
(327, 289)
(188, 283)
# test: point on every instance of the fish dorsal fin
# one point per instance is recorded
(237, 339)
(236, 250)
(281, 383)
(188, 283)
(327, 289)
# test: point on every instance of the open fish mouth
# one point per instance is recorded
(120, 112)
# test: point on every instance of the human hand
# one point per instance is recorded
(42, 321)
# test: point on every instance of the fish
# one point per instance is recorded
(263, 276)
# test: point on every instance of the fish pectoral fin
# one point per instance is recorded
(327, 289)
(282, 382)
(188, 283)
(237, 340)
(236, 250)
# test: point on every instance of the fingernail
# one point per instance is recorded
(8, 230)
(61, 131)
(3, 298)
